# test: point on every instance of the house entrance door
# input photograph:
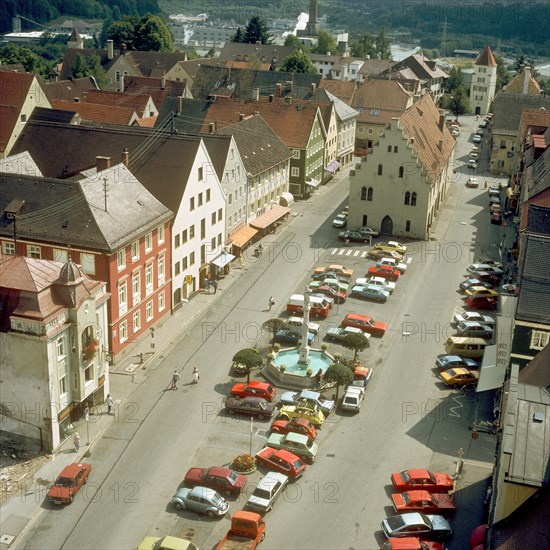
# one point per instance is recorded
(386, 228)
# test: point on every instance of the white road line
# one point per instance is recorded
(341, 251)
(333, 251)
(364, 254)
(409, 260)
(348, 253)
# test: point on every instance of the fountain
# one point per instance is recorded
(298, 360)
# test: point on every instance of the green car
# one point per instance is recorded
(299, 444)
(329, 281)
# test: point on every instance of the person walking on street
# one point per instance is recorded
(175, 379)
(76, 441)
(214, 284)
(271, 303)
(109, 402)
(196, 375)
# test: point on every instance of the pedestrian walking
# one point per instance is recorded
(76, 441)
(109, 402)
(271, 302)
(215, 286)
(175, 379)
(196, 375)
(241, 261)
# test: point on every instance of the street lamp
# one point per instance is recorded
(251, 431)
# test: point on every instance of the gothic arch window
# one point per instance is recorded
(379, 169)
(369, 193)
(395, 149)
(363, 193)
(407, 198)
(413, 199)
(401, 171)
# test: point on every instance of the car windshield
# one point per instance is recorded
(232, 477)
(216, 500)
(261, 493)
(406, 498)
(405, 475)
(395, 522)
(297, 464)
(65, 481)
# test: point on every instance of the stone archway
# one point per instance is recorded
(386, 227)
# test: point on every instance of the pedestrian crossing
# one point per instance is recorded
(353, 253)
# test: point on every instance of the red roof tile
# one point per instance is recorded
(486, 58)
(95, 112)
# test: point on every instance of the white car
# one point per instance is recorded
(473, 316)
(298, 322)
(340, 221)
(474, 155)
(392, 263)
(472, 163)
(353, 398)
(476, 139)
(472, 182)
(478, 268)
(268, 490)
(378, 281)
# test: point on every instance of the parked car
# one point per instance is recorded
(368, 231)
(339, 333)
(417, 523)
(379, 253)
(353, 236)
(292, 335)
(378, 281)
(68, 483)
(482, 123)
(223, 480)
(361, 376)
(311, 413)
(496, 218)
(331, 282)
(341, 220)
(384, 271)
(393, 246)
(298, 425)
(493, 191)
(330, 274)
(252, 406)
(353, 398)
(486, 268)
(474, 155)
(445, 362)
(472, 182)
(309, 398)
(481, 292)
(335, 268)
(201, 500)
(422, 501)
(266, 493)
(370, 292)
(254, 389)
(298, 444)
(472, 163)
(365, 323)
(491, 278)
(476, 139)
(392, 262)
(339, 296)
(433, 482)
(166, 543)
(473, 328)
(282, 461)
(299, 321)
(473, 316)
(410, 543)
(481, 303)
(474, 281)
(459, 377)
(247, 531)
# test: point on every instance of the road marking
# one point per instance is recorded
(409, 260)
(333, 251)
(459, 405)
(340, 252)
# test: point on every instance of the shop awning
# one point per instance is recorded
(223, 259)
(332, 166)
(313, 182)
(242, 236)
(271, 216)
(286, 199)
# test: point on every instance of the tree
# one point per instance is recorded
(298, 62)
(210, 53)
(238, 36)
(326, 43)
(250, 358)
(292, 40)
(339, 373)
(455, 80)
(458, 102)
(273, 325)
(364, 46)
(12, 54)
(503, 77)
(356, 342)
(256, 31)
(146, 33)
(382, 44)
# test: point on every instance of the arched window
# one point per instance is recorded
(369, 194)
(363, 193)
(401, 171)
(413, 199)
(395, 149)
(407, 198)
(379, 169)
(389, 148)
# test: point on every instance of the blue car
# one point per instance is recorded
(291, 336)
(445, 362)
(370, 292)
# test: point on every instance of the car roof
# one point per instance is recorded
(251, 399)
(270, 479)
(202, 492)
(471, 324)
(73, 469)
(357, 317)
(296, 438)
(468, 340)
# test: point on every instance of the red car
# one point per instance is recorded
(68, 483)
(385, 271)
(297, 425)
(480, 302)
(282, 461)
(365, 323)
(254, 389)
(410, 543)
(222, 480)
(432, 482)
(422, 501)
(338, 295)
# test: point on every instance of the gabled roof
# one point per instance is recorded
(22, 163)
(536, 175)
(73, 213)
(421, 67)
(372, 67)
(93, 112)
(433, 143)
(217, 146)
(70, 90)
(55, 116)
(259, 146)
(536, 372)
(272, 54)
(159, 90)
(523, 83)
(12, 68)
(191, 66)
(154, 64)
(190, 120)
(486, 58)
(343, 111)
(343, 90)
(508, 108)
(135, 101)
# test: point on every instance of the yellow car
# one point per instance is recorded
(459, 377)
(478, 291)
(392, 246)
(313, 414)
(166, 543)
(335, 268)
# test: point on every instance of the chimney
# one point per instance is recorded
(256, 113)
(180, 104)
(313, 88)
(278, 89)
(288, 86)
(441, 122)
(270, 98)
(256, 94)
(241, 117)
(288, 100)
(211, 127)
(102, 163)
(125, 156)
(163, 82)
(110, 49)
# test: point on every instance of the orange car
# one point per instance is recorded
(335, 268)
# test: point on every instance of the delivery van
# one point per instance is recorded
(466, 347)
(319, 307)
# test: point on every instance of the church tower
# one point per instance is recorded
(484, 81)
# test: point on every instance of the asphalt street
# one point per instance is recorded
(408, 419)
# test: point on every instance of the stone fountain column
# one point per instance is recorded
(304, 348)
